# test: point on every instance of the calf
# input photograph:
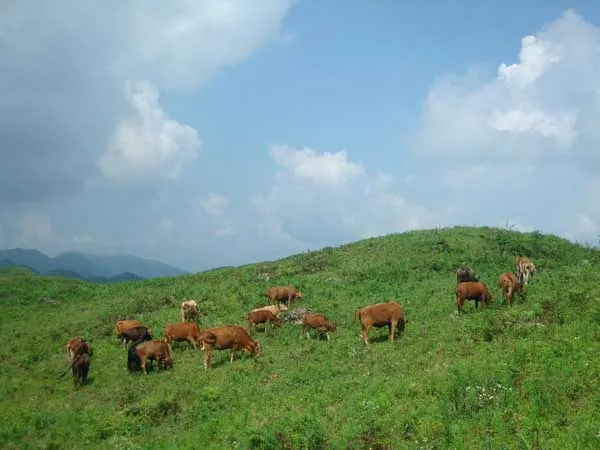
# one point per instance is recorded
(78, 346)
(509, 284)
(277, 293)
(140, 333)
(229, 336)
(379, 315)
(318, 322)
(140, 353)
(123, 325)
(465, 273)
(262, 316)
(184, 331)
(472, 290)
(275, 309)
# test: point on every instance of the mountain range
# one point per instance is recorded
(88, 267)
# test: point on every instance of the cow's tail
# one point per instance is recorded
(71, 364)
(356, 313)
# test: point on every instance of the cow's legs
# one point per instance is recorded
(393, 326)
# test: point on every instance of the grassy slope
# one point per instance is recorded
(524, 378)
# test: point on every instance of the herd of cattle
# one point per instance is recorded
(145, 349)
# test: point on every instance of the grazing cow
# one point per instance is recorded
(140, 353)
(465, 273)
(275, 309)
(379, 315)
(140, 333)
(471, 290)
(277, 293)
(509, 284)
(78, 346)
(524, 269)
(184, 331)
(189, 311)
(123, 325)
(80, 367)
(318, 322)
(262, 316)
(230, 336)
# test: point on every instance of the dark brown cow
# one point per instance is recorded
(230, 336)
(317, 322)
(139, 354)
(280, 293)
(509, 284)
(472, 290)
(379, 315)
(78, 346)
(184, 331)
(262, 316)
(465, 273)
(133, 334)
(123, 325)
(80, 367)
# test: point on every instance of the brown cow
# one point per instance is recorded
(275, 309)
(123, 325)
(184, 331)
(158, 351)
(318, 322)
(509, 284)
(262, 316)
(524, 269)
(379, 315)
(78, 346)
(230, 336)
(277, 293)
(472, 290)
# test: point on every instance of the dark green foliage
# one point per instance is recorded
(525, 377)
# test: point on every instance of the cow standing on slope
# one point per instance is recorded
(524, 269)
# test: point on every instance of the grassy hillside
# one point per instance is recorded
(493, 379)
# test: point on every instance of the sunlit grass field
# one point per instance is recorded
(498, 378)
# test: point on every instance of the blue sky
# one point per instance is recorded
(223, 132)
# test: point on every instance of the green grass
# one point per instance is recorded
(524, 378)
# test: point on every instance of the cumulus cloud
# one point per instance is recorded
(540, 107)
(69, 89)
(327, 169)
(306, 207)
(148, 145)
(214, 204)
(526, 135)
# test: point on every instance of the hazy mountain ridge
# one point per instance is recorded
(89, 267)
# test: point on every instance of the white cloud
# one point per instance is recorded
(214, 204)
(69, 89)
(181, 43)
(305, 207)
(148, 144)
(540, 108)
(327, 169)
(523, 140)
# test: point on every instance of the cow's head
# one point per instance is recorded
(331, 327)
(254, 348)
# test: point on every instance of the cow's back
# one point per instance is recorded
(381, 313)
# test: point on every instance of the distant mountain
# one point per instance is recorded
(96, 268)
